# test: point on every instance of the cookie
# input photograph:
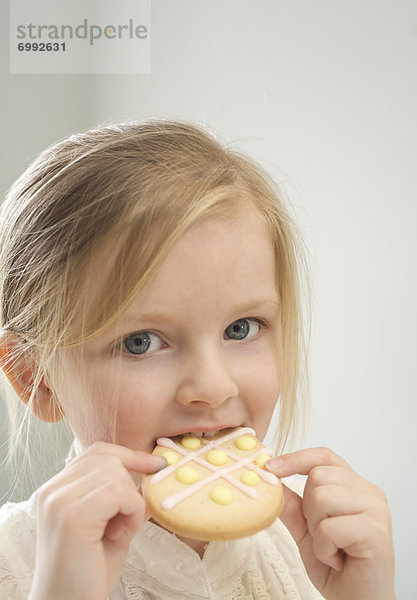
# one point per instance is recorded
(214, 487)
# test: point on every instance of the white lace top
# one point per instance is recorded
(161, 567)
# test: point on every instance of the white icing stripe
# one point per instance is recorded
(173, 500)
(192, 454)
(218, 473)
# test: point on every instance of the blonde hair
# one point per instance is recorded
(135, 187)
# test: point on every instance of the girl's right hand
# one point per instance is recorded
(87, 516)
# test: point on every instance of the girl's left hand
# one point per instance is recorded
(342, 526)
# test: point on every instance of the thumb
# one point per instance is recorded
(294, 520)
(292, 515)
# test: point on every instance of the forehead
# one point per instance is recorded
(216, 261)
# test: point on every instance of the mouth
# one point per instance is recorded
(207, 435)
(205, 432)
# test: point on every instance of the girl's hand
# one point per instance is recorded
(87, 516)
(342, 526)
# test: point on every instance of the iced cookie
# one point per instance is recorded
(214, 488)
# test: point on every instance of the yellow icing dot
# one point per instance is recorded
(187, 475)
(250, 478)
(221, 495)
(245, 442)
(217, 457)
(261, 459)
(191, 442)
(170, 456)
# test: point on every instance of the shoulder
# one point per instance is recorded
(17, 548)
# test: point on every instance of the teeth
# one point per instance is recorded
(208, 434)
(203, 434)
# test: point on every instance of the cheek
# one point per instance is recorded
(261, 369)
(134, 419)
(261, 386)
(264, 390)
(89, 395)
(141, 403)
(90, 414)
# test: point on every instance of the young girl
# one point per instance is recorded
(149, 287)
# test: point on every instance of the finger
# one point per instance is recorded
(102, 492)
(115, 527)
(344, 535)
(292, 515)
(148, 514)
(123, 524)
(133, 460)
(76, 483)
(335, 475)
(93, 469)
(326, 544)
(293, 518)
(302, 462)
(328, 501)
(106, 502)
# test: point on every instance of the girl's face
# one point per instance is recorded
(198, 350)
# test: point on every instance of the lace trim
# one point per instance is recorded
(257, 584)
(280, 570)
(8, 583)
(238, 591)
(133, 592)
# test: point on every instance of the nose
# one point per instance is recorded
(206, 379)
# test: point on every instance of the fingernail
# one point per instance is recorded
(159, 461)
(274, 464)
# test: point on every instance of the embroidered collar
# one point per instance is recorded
(160, 562)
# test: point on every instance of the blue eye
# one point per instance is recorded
(242, 329)
(142, 342)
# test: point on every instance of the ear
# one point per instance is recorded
(20, 368)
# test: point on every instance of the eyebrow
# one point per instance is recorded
(256, 304)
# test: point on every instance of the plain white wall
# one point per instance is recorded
(323, 94)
